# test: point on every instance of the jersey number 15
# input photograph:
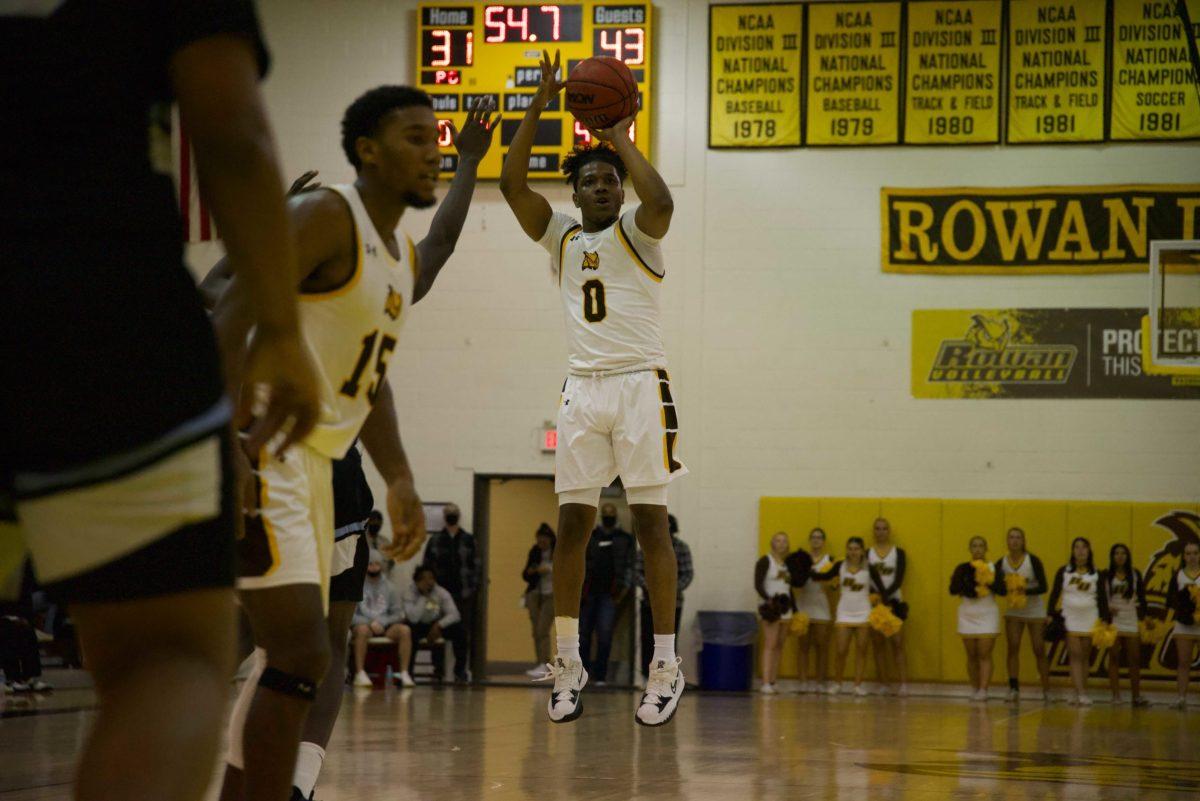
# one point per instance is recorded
(351, 386)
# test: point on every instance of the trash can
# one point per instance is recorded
(727, 653)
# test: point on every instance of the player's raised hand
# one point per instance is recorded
(302, 185)
(408, 520)
(615, 132)
(551, 72)
(280, 363)
(473, 141)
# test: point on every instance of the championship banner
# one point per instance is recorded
(754, 75)
(1056, 72)
(1069, 229)
(953, 73)
(853, 77)
(1037, 353)
(1154, 93)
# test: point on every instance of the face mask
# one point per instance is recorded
(452, 520)
(609, 522)
(374, 573)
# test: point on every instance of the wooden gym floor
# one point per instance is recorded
(495, 743)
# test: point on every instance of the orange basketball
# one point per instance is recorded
(601, 91)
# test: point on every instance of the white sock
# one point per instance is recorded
(308, 767)
(664, 648)
(567, 634)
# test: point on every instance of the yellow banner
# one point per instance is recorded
(952, 80)
(754, 75)
(853, 73)
(1153, 88)
(1056, 71)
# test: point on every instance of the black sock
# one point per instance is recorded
(1012, 684)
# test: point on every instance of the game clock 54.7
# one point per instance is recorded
(547, 24)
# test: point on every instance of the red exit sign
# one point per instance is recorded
(550, 440)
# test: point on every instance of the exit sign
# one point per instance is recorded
(549, 440)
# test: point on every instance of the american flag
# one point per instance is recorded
(198, 225)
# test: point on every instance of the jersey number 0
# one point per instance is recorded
(351, 385)
(594, 309)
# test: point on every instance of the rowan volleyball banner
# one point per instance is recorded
(1066, 229)
(1039, 353)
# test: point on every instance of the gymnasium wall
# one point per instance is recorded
(789, 346)
(935, 535)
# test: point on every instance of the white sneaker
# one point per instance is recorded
(1084, 700)
(404, 680)
(861, 691)
(768, 689)
(361, 679)
(569, 680)
(903, 691)
(832, 688)
(1013, 695)
(535, 673)
(664, 688)
(979, 695)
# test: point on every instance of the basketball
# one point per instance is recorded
(601, 91)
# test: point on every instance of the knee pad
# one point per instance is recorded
(648, 496)
(586, 497)
(294, 686)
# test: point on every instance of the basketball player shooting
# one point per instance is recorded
(358, 276)
(616, 415)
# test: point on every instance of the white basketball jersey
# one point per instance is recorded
(352, 331)
(609, 282)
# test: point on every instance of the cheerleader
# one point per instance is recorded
(812, 599)
(978, 617)
(1084, 601)
(1028, 613)
(1127, 602)
(772, 581)
(889, 562)
(856, 581)
(1181, 599)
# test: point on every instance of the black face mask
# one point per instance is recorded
(608, 522)
(452, 520)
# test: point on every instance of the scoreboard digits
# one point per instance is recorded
(472, 50)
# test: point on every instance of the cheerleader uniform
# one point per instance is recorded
(812, 598)
(854, 592)
(772, 578)
(1177, 599)
(890, 569)
(1035, 586)
(977, 617)
(1084, 599)
(1127, 601)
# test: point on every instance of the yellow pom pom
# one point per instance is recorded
(1015, 583)
(1194, 591)
(1151, 630)
(800, 623)
(1104, 635)
(884, 620)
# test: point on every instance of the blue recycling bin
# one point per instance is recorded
(727, 653)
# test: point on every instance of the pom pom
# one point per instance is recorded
(800, 623)
(1151, 630)
(1015, 583)
(1194, 591)
(1104, 635)
(984, 576)
(884, 620)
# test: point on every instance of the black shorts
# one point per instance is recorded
(352, 502)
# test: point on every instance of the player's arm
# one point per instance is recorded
(381, 437)
(653, 217)
(472, 144)
(215, 80)
(532, 210)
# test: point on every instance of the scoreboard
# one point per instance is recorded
(471, 50)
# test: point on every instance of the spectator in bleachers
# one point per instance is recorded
(539, 595)
(379, 614)
(434, 618)
(683, 564)
(452, 555)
